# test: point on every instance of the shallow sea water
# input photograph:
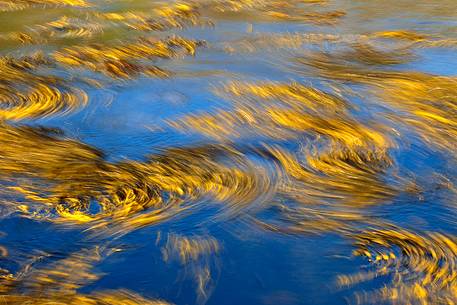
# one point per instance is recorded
(228, 152)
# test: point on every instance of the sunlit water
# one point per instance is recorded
(228, 152)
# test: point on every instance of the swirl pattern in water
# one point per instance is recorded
(228, 152)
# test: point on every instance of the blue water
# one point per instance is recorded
(127, 121)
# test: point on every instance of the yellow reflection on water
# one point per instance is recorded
(305, 147)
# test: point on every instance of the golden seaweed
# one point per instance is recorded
(26, 94)
(316, 151)
(423, 267)
(121, 61)
(59, 281)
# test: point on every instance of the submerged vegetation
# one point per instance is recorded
(316, 148)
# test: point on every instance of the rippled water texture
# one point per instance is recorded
(228, 152)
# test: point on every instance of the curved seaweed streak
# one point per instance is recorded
(422, 268)
(337, 146)
(161, 17)
(63, 180)
(123, 61)
(59, 281)
(271, 10)
(198, 255)
(68, 28)
(26, 93)
(425, 102)
(382, 49)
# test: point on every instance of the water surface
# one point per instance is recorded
(228, 152)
